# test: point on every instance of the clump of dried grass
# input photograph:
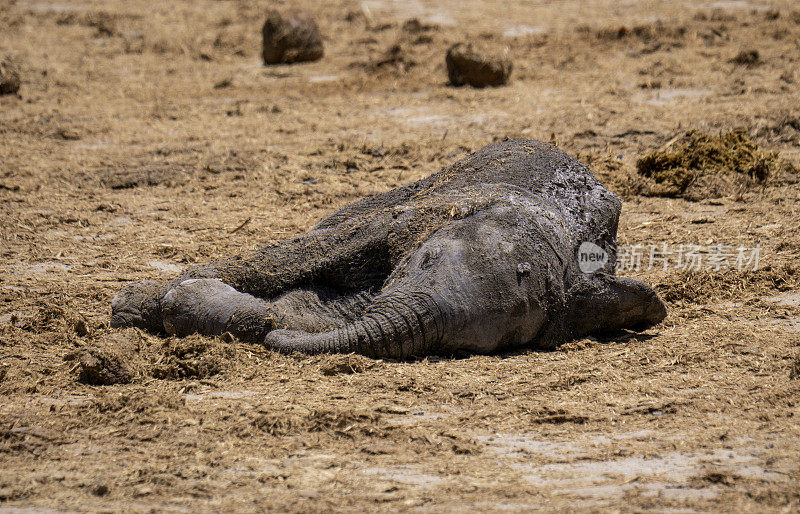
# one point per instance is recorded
(346, 364)
(131, 356)
(192, 357)
(614, 174)
(698, 165)
(135, 402)
(644, 32)
(703, 286)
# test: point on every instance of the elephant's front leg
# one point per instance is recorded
(197, 301)
(264, 273)
(323, 257)
(208, 306)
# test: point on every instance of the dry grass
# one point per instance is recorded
(148, 137)
(698, 165)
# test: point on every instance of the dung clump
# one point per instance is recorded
(101, 366)
(407, 51)
(9, 78)
(290, 38)
(415, 26)
(110, 360)
(698, 165)
(747, 58)
(396, 56)
(480, 68)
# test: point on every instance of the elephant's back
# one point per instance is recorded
(540, 169)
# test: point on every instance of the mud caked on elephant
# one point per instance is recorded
(480, 257)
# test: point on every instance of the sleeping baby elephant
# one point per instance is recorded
(480, 257)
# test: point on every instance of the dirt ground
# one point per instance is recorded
(148, 137)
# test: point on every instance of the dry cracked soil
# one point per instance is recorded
(147, 137)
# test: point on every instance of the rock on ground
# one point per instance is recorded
(290, 38)
(477, 67)
(9, 78)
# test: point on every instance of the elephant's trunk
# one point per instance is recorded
(397, 325)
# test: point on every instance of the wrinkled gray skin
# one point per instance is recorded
(480, 257)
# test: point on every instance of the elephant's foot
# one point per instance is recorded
(210, 307)
(138, 306)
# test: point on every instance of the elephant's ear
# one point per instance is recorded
(602, 303)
